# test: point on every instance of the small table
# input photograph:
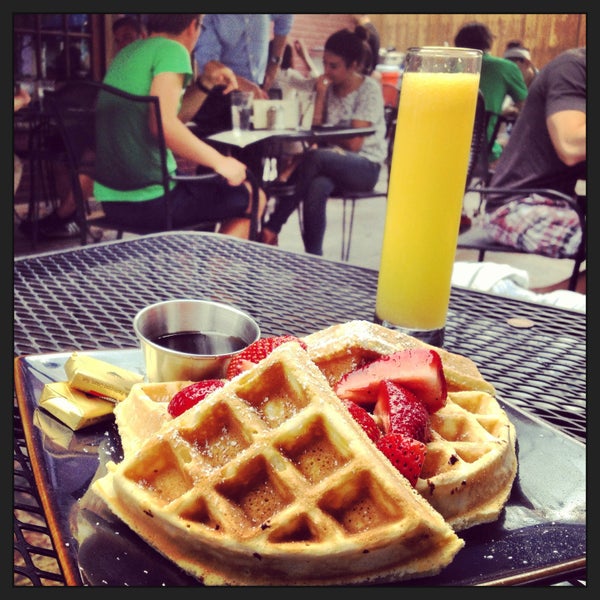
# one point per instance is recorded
(322, 134)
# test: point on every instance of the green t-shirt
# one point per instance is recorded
(129, 152)
(499, 78)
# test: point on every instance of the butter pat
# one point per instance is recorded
(100, 378)
(73, 407)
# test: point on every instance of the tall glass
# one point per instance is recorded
(426, 189)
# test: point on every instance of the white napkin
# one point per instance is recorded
(509, 281)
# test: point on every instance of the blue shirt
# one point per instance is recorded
(240, 42)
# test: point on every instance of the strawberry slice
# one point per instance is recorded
(400, 411)
(256, 351)
(418, 369)
(405, 453)
(192, 394)
(364, 419)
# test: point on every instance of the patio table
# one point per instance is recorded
(84, 299)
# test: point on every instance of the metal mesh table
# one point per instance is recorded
(86, 298)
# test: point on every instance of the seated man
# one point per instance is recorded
(160, 65)
(546, 149)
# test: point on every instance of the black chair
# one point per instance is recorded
(478, 178)
(74, 108)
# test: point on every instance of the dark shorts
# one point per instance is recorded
(192, 202)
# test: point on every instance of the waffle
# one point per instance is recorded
(144, 411)
(269, 481)
(344, 347)
(471, 459)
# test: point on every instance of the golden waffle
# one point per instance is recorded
(344, 347)
(471, 460)
(270, 481)
(144, 411)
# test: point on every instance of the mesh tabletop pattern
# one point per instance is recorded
(86, 299)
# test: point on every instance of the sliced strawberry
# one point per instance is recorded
(364, 419)
(405, 453)
(256, 351)
(400, 411)
(192, 394)
(418, 369)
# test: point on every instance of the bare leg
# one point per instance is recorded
(240, 226)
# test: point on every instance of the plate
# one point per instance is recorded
(540, 535)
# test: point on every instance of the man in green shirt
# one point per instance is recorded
(161, 66)
(499, 77)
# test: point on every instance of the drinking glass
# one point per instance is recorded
(426, 189)
(241, 110)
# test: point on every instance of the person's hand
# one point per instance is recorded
(232, 170)
(21, 99)
(321, 84)
(270, 75)
(216, 73)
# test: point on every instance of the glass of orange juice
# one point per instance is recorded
(430, 156)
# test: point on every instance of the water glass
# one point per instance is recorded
(241, 110)
(426, 189)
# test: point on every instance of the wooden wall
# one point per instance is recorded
(546, 35)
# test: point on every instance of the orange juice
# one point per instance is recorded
(426, 189)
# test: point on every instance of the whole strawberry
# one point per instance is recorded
(192, 394)
(400, 411)
(256, 351)
(364, 419)
(405, 453)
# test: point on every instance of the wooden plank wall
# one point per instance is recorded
(546, 35)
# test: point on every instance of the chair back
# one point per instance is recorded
(478, 155)
(82, 107)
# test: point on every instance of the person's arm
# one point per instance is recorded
(279, 42)
(321, 85)
(215, 73)
(180, 140)
(248, 86)
(306, 58)
(282, 25)
(356, 143)
(567, 129)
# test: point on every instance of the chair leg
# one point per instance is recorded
(347, 229)
(573, 280)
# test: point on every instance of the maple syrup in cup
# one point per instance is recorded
(430, 157)
(191, 339)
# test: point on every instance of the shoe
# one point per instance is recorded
(269, 237)
(52, 226)
(69, 229)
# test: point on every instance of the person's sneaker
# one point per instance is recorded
(53, 226)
